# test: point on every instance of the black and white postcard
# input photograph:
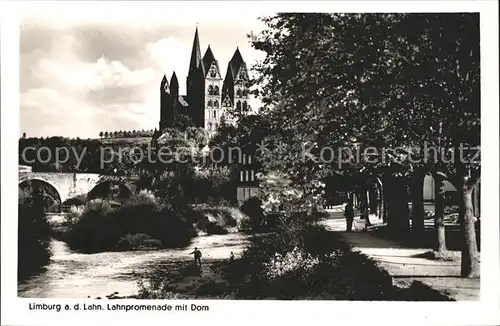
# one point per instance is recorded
(255, 162)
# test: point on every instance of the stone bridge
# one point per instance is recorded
(68, 185)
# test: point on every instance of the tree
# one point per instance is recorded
(101, 134)
(106, 134)
(361, 81)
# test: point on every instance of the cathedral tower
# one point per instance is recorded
(166, 104)
(213, 91)
(235, 90)
(195, 83)
(209, 96)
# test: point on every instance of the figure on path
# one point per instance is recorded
(349, 215)
(231, 258)
(197, 257)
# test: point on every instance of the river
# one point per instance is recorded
(75, 275)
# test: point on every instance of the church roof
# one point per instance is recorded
(174, 83)
(236, 63)
(195, 62)
(164, 82)
(208, 59)
(228, 85)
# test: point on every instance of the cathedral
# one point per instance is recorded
(209, 96)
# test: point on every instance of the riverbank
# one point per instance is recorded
(70, 274)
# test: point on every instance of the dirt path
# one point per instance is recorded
(409, 265)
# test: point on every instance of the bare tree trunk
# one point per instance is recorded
(381, 200)
(384, 200)
(368, 202)
(417, 207)
(470, 254)
(476, 200)
(439, 213)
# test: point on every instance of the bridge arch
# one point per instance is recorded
(107, 186)
(49, 186)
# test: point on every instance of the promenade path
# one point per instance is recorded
(408, 265)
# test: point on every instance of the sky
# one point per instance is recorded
(87, 68)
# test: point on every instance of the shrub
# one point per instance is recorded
(97, 207)
(101, 227)
(296, 263)
(33, 234)
(152, 243)
(79, 200)
(217, 219)
(74, 214)
(94, 230)
(137, 241)
(214, 228)
(253, 209)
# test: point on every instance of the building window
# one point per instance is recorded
(238, 92)
(210, 90)
(247, 176)
(252, 176)
(215, 114)
(241, 176)
(238, 105)
(210, 103)
(216, 90)
(249, 159)
(216, 104)
(244, 159)
(245, 106)
(213, 74)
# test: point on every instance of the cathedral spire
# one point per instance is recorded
(173, 81)
(164, 84)
(195, 52)
(174, 85)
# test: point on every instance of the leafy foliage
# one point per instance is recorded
(33, 234)
(100, 227)
(372, 91)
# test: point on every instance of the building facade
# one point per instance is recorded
(210, 97)
(248, 178)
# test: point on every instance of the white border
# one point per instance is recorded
(486, 311)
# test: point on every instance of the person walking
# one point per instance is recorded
(349, 216)
(197, 257)
(231, 258)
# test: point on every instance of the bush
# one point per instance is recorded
(152, 243)
(303, 260)
(33, 234)
(217, 219)
(74, 214)
(101, 227)
(296, 263)
(137, 241)
(79, 200)
(253, 209)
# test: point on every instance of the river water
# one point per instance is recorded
(75, 275)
